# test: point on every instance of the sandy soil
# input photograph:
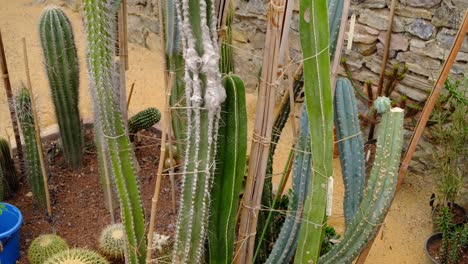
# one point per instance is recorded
(408, 223)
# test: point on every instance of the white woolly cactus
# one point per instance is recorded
(45, 246)
(112, 241)
(77, 256)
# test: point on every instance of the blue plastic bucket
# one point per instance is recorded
(10, 223)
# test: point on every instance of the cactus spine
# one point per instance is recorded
(313, 17)
(378, 194)
(99, 16)
(204, 94)
(26, 119)
(44, 247)
(79, 256)
(350, 146)
(60, 57)
(284, 247)
(10, 177)
(143, 120)
(231, 157)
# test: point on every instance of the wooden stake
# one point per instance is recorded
(432, 99)
(463, 30)
(122, 63)
(154, 201)
(339, 44)
(11, 106)
(130, 96)
(125, 33)
(250, 203)
(37, 129)
(109, 192)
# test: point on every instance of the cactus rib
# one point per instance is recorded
(60, 57)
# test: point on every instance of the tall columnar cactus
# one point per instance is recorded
(285, 245)
(61, 62)
(204, 94)
(231, 160)
(8, 168)
(378, 194)
(99, 16)
(335, 8)
(313, 18)
(350, 146)
(2, 187)
(26, 119)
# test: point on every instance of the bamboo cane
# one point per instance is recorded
(462, 31)
(11, 107)
(261, 136)
(154, 201)
(108, 182)
(122, 60)
(37, 129)
(130, 96)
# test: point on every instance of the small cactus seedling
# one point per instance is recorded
(112, 241)
(77, 256)
(44, 247)
(143, 120)
(11, 182)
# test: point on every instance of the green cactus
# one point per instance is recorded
(143, 120)
(112, 241)
(285, 245)
(350, 146)
(61, 62)
(204, 94)
(26, 120)
(313, 26)
(44, 247)
(335, 8)
(378, 193)
(231, 158)
(78, 256)
(100, 24)
(10, 177)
